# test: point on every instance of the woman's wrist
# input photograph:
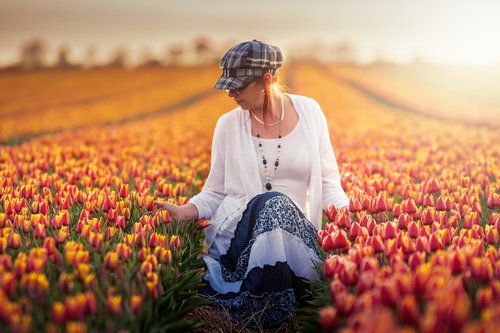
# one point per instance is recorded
(188, 212)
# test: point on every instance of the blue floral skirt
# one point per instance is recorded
(260, 280)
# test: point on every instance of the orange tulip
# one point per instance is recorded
(114, 304)
(111, 260)
(136, 303)
(58, 313)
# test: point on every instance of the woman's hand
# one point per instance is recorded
(181, 213)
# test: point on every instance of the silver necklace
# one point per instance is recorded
(276, 123)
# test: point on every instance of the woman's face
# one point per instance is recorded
(250, 97)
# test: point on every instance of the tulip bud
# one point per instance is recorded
(345, 303)
(484, 298)
(124, 191)
(481, 269)
(331, 265)
(377, 244)
(366, 281)
(492, 236)
(435, 243)
(413, 230)
(201, 224)
(58, 313)
(111, 260)
(408, 310)
(328, 318)
(136, 303)
(114, 304)
(348, 273)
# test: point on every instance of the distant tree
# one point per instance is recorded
(148, 60)
(62, 57)
(203, 47)
(174, 55)
(119, 58)
(32, 54)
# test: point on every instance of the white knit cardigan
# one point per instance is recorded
(234, 176)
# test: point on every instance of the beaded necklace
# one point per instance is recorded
(269, 175)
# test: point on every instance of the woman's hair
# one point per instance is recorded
(276, 87)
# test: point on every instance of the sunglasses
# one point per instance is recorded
(240, 90)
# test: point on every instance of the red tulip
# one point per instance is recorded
(397, 210)
(407, 245)
(388, 292)
(421, 278)
(435, 243)
(390, 230)
(442, 203)
(120, 222)
(422, 244)
(124, 191)
(343, 221)
(111, 260)
(413, 230)
(331, 213)
(481, 269)
(377, 244)
(428, 201)
(404, 220)
(410, 207)
(114, 304)
(492, 236)
(345, 303)
(428, 216)
(136, 303)
(90, 303)
(328, 318)
(14, 240)
(484, 297)
(409, 311)
(50, 245)
(380, 204)
(201, 224)
(355, 205)
(366, 281)
(355, 230)
(58, 313)
(331, 265)
(8, 283)
(174, 241)
(348, 273)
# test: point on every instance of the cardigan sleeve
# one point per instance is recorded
(332, 191)
(209, 199)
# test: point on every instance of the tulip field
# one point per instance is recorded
(84, 154)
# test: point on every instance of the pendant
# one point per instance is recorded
(269, 186)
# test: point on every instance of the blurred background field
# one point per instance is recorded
(50, 100)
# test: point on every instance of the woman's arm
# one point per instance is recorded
(333, 193)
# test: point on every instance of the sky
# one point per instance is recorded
(442, 31)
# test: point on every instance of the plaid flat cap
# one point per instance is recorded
(246, 61)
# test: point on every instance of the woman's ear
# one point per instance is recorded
(268, 79)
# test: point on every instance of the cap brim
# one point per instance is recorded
(232, 82)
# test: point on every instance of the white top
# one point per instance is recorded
(234, 174)
(294, 170)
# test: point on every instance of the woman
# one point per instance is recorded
(273, 170)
